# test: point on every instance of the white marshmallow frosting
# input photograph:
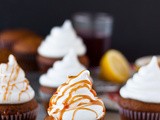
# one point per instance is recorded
(76, 100)
(14, 86)
(57, 75)
(145, 85)
(60, 41)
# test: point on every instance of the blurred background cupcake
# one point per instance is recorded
(58, 43)
(10, 36)
(23, 43)
(25, 51)
(4, 53)
(57, 75)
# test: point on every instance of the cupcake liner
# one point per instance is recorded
(31, 115)
(138, 115)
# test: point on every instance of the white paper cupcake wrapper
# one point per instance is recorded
(31, 115)
(135, 115)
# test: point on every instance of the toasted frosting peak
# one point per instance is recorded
(14, 87)
(76, 100)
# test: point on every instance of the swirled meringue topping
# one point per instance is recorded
(76, 100)
(60, 41)
(14, 87)
(58, 74)
(145, 85)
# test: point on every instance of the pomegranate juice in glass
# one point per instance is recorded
(96, 31)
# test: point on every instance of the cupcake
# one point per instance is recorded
(76, 100)
(140, 99)
(16, 95)
(57, 75)
(10, 36)
(58, 43)
(26, 51)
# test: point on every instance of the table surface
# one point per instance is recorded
(34, 81)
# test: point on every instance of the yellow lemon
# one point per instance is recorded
(114, 67)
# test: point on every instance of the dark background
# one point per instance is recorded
(136, 22)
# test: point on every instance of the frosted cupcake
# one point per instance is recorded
(140, 99)
(58, 43)
(16, 95)
(76, 100)
(57, 75)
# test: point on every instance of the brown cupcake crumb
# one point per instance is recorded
(138, 105)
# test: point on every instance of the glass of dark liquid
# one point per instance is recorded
(96, 31)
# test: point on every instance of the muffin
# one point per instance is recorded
(76, 100)
(4, 53)
(16, 95)
(140, 99)
(57, 75)
(26, 51)
(10, 36)
(58, 43)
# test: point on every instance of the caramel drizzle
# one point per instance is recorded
(13, 76)
(71, 100)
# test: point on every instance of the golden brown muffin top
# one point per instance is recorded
(11, 35)
(29, 44)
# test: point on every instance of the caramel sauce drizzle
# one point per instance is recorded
(22, 91)
(70, 100)
(13, 77)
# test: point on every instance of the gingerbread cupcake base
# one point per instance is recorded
(137, 110)
(24, 111)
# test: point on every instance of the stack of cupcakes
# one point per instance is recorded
(57, 45)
